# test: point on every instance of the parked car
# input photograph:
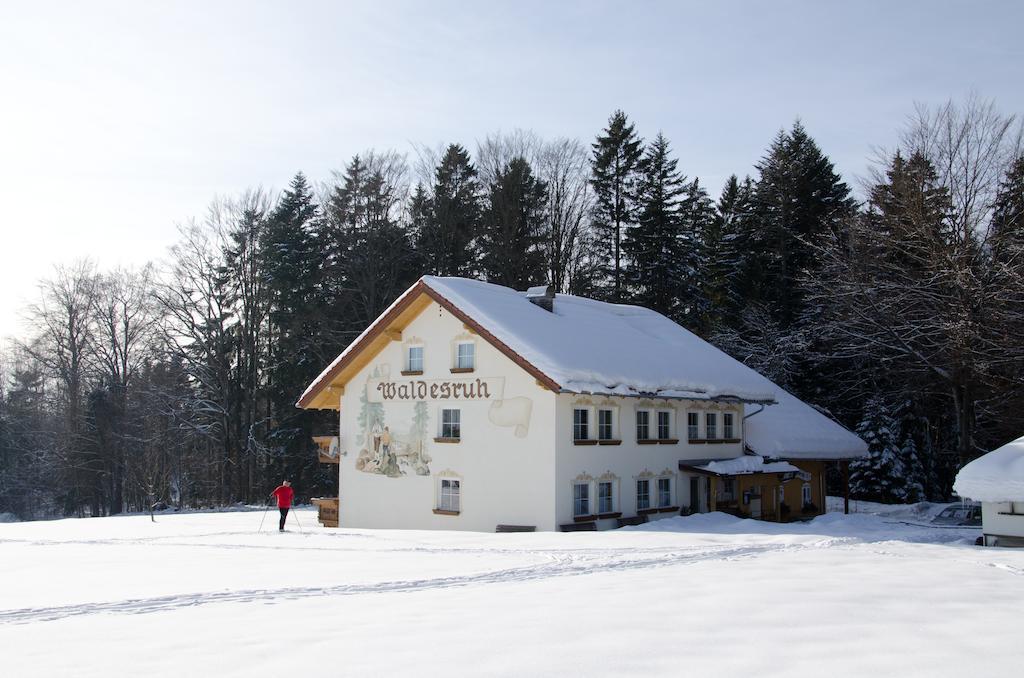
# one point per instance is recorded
(960, 514)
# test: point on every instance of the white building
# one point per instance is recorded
(467, 405)
(997, 481)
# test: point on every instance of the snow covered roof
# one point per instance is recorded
(746, 465)
(995, 477)
(589, 346)
(792, 429)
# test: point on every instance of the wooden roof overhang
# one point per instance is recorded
(325, 392)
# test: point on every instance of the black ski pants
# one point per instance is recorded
(284, 515)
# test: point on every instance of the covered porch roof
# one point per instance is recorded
(746, 465)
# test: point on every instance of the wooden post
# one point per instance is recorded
(846, 486)
(713, 499)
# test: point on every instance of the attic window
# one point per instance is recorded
(465, 355)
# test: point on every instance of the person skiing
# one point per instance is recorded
(284, 494)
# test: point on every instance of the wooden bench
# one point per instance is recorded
(515, 528)
(633, 520)
(589, 526)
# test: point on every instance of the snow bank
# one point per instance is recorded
(995, 477)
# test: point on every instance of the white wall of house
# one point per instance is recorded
(624, 464)
(502, 460)
(1006, 519)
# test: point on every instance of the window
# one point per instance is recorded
(664, 492)
(691, 426)
(465, 353)
(415, 362)
(727, 428)
(448, 500)
(643, 494)
(604, 425)
(605, 500)
(580, 424)
(581, 499)
(728, 489)
(806, 494)
(711, 426)
(663, 425)
(643, 425)
(451, 424)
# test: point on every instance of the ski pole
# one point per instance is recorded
(263, 518)
(296, 514)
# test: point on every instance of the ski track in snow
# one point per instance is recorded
(559, 563)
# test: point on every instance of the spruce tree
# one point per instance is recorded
(291, 272)
(446, 239)
(697, 218)
(659, 253)
(880, 476)
(512, 231)
(798, 200)
(615, 162)
(720, 252)
(1007, 229)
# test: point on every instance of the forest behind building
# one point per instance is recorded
(894, 306)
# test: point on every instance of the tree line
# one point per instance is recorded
(897, 315)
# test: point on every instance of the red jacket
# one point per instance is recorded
(284, 496)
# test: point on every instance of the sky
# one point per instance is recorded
(121, 121)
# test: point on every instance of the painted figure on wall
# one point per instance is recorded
(387, 451)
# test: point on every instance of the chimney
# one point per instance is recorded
(543, 296)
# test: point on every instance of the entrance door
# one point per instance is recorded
(694, 494)
(755, 502)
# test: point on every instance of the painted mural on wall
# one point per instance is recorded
(389, 448)
(511, 413)
(396, 448)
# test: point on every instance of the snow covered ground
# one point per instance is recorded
(205, 594)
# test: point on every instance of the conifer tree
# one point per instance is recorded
(446, 238)
(615, 162)
(880, 476)
(659, 253)
(1007, 230)
(697, 218)
(291, 273)
(720, 254)
(799, 199)
(512, 231)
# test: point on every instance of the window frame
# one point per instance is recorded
(647, 493)
(693, 429)
(658, 424)
(667, 479)
(577, 424)
(806, 494)
(711, 426)
(646, 424)
(409, 365)
(576, 498)
(452, 496)
(728, 426)
(611, 423)
(611, 497)
(459, 357)
(456, 423)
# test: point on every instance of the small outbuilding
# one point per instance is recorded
(997, 481)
